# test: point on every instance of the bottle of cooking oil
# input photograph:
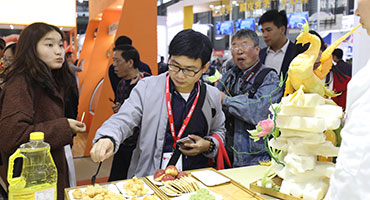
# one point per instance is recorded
(38, 179)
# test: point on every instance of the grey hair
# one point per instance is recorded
(246, 33)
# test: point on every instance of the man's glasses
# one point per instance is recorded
(241, 47)
(187, 72)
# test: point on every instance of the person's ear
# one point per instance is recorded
(258, 49)
(283, 30)
(131, 63)
(205, 68)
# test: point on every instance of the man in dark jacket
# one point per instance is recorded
(344, 67)
(279, 51)
(114, 79)
(340, 74)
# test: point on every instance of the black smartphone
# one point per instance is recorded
(184, 140)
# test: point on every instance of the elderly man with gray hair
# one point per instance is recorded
(244, 92)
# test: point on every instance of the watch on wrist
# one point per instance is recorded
(211, 147)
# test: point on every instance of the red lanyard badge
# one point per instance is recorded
(170, 114)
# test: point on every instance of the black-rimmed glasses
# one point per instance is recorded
(187, 72)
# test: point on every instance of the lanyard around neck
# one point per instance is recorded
(170, 113)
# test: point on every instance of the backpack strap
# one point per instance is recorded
(258, 81)
(197, 110)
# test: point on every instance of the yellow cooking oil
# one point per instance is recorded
(38, 178)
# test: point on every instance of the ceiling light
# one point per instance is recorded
(119, 6)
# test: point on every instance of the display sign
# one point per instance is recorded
(249, 23)
(225, 28)
(296, 20)
(219, 53)
(25, 12)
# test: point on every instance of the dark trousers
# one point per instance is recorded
(121, 162)
(3, 194)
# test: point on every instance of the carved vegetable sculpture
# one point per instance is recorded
(326, 58)
(301, 69)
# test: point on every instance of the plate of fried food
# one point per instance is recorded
(96, 192)
(134, 188)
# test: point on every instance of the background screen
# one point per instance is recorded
(248, 23)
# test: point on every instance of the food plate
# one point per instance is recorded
(151, 179)
(210, 178)
(110, 187)
(125, 194)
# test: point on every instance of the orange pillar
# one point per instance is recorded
(97, 43)
(138, 21)
(87, 49)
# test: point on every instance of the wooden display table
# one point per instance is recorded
(236, 189)
(247, 175)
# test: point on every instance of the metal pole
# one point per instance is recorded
(318, 15)
(230, 18)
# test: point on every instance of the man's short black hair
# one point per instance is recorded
(2, 43)
(191, 44)
(129, 52)
(277, 18)
(68, 54)
(122, 40)
(338, 53)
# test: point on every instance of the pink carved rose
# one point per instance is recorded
(267, 126)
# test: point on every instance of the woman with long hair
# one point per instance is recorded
(33, 98)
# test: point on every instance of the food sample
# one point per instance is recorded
(182, 174)
(96, 193)
(168, 177)
(179, 186)
(171, 170)
(135, 187)
(77, 194)
(150, 197)
(159, 174)
(202, 194)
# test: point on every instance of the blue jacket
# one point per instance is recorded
(247, 112)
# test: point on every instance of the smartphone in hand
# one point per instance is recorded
(185, 140)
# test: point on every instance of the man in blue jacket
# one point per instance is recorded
(247, 104)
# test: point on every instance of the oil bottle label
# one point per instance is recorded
(45, 194)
